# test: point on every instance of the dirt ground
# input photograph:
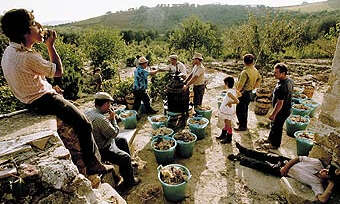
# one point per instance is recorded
(215, 179)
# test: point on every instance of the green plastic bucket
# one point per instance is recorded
(296, 111)
(303, 145)
(185, 149)
(119, 109)
(129, 122)
(160, 136)
(164, 156)
(292, 126)
(198, 130)
(156, 125)
(312, 104)
(174, 193)
(204, 113)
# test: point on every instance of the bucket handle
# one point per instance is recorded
(159, 168)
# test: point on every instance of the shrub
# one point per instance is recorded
(109, 70)
(72, 59)
(158, 85)
(103, 45)
(8, 101)
(118, 90)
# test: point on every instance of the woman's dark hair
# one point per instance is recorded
(100, 102)
(16, 23)
(229, 81)
(281, 67)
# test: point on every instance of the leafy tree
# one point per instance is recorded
(103, 45)
(192, 35)
(73, 60)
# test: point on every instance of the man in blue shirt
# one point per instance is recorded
(141, 84)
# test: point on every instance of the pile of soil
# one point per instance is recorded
(126, 114)
(159, 119)
(173, 175)
(184, 136)
(161, 131)
(162, 144)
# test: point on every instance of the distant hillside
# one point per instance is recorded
(311, 7)
(163, 19)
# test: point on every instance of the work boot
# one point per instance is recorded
(223, 135)
(124, 187)
(227, 139)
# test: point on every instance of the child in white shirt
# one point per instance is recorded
(227, 111)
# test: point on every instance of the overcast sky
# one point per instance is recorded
(74, 10)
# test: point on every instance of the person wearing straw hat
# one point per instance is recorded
(26, 71)
(196, 78)
(112, 148)
(176, 66)
(140, 86)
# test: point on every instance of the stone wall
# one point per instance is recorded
(35, 166)
(330, 108)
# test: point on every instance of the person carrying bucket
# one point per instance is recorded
(227, 111)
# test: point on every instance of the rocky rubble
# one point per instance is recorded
(35, 167)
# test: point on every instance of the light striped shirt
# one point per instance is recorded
(104, 130)
(25, 71)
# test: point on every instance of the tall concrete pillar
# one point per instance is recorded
(330, 108)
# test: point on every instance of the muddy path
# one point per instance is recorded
(215, 179)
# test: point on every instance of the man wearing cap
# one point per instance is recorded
(176, 66)
(26, 71)
(196, 77)
(141, 84)
(105, 130)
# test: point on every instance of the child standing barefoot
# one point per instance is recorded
(227, 110)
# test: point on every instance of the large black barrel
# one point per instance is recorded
(178, 99)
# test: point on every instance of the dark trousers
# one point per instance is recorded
(266, 163)
(198, 94)
(242, 109)
(119, 153)
(55, 104)
(275, 135)
(141, 95)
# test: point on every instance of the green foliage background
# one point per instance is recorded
(219, 32)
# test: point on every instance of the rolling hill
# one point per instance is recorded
(165, 18)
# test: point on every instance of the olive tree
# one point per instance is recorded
(193, 35)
